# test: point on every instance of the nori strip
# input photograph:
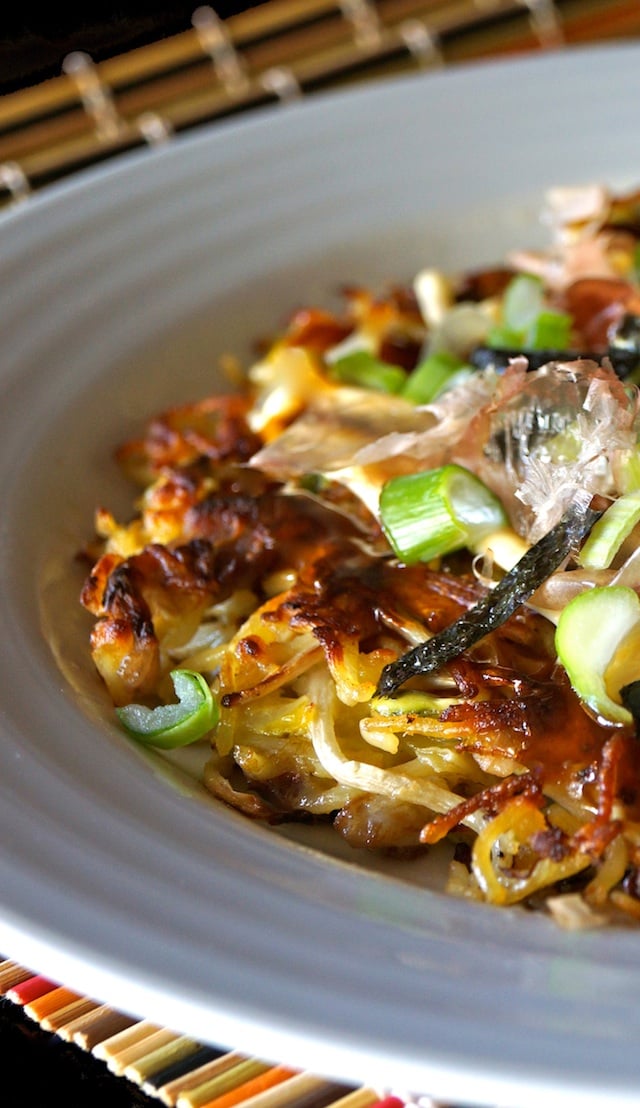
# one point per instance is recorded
(501, 602)
(623, 361)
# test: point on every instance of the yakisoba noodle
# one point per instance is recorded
(397, 570)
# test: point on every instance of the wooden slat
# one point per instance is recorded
(51, 130)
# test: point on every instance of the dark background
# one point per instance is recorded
(39, 1070)
(34, 41)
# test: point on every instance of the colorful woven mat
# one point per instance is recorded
(269, 54)
(278, 51)
(160, 1065)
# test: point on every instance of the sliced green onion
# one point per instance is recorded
(597, 640)
(503, 338)
(609, 533)
(426, 515)
(363, 369)
(549, 331)
(527, 324)
(438, 372)
(173, 725)
(629, 471)
(522, 302)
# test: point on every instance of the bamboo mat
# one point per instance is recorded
(164, 1067)
(92, 112)
(269, 54)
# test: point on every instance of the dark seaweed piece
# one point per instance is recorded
(501, 602)
(624, 338)
(630, 697)
(623, 360)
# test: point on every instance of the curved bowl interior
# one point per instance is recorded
(119, 292)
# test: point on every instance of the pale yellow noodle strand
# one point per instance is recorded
(368, 778)
(517, 823)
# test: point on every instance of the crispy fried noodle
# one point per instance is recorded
(404, 557)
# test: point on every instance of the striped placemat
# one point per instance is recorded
(164, 1066)
(269, 54)
(273, 53)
